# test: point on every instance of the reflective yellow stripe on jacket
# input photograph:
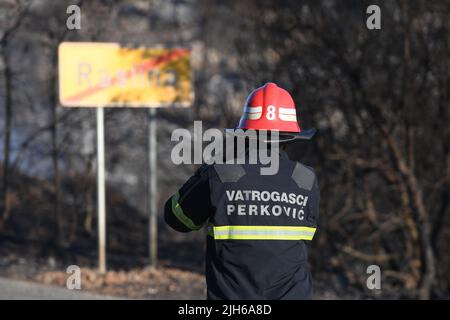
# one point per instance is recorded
(261, 233)
(178, 212)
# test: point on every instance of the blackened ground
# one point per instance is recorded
(30, 249)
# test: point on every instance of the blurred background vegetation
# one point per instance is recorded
(379, 98)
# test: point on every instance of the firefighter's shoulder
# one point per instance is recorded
(203, 170)
(228, 172)
(304, 176)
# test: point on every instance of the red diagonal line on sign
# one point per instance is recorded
(147, 66)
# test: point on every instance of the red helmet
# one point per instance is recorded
(272, 108)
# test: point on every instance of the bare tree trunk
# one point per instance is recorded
(22, 11)
(423, 222)
(59, 222)
(55, 156)
(7, 138)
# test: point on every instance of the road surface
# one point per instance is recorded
(13, 290)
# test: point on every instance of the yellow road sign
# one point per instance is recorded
(107, 75)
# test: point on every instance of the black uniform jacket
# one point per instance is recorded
(258, 227)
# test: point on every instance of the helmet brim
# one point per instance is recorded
(283, 136)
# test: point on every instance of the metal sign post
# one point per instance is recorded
(152, 196)
(101, 192)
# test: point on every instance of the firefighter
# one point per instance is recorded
(258, 226)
